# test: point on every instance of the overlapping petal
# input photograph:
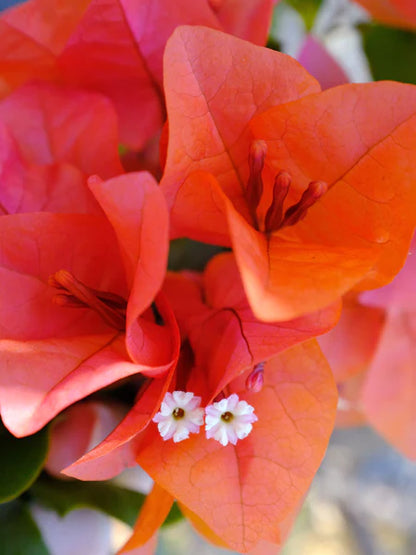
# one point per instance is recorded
(47, 151)
(214, 85)
(257, 484)
(53, 355)
(250, 22)
(78, 42)
(360, 228)
(225, 336)
(364, 223)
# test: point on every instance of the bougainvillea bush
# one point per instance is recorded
(185, 210)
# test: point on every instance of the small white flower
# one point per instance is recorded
(229, 420)
(179, 415)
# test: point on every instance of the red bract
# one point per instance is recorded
(48, 152)
(386, 391)
(225, 336)
(222, 344)
(400, 13)
(76, 43)
(249, 20)
(77, 430)
(72, 284)
(318, 199)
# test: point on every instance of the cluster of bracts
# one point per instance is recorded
(311, 194)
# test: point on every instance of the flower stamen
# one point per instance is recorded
(178, 413)
(227, 416)
(254, 190)
(72, 293)
(276, 217)
(255, 380)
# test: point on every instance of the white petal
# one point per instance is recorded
(232, 430)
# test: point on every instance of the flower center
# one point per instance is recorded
(75, 294)
(277, 217)
(178, 413)
(227, 416)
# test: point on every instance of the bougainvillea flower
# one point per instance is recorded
(180, 414)
(318, 61)
(226, 339)
(75, 43)
(317, 200)
(223, 342)
(229, 420)
(79, 307)
(47, 152)
(245, 493)
(400, 13)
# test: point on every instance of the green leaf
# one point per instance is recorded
(21, 462)
(191, 255)
(391, 53)
(307, 9)
(19, 534)
(65, 495)
(174, 515)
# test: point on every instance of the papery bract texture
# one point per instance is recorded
(224, 340)
(214, 84)
(75, 43)
(52, 139)
(53, 354)
(295, 411)
(358, 228)
(249, 21)
(225, 336)
(32, 35)
(245, 492)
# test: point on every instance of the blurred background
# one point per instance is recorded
(361, 502)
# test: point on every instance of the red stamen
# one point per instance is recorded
(298, 211)
(255, 380)
(254, 191)
(274, 214)
(75, 294)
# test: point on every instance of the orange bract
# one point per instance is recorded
(246, 493)
(400, 13)
(231, 135)
(152, 515)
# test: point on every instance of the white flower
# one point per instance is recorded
(179, 415)
(229, 420)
